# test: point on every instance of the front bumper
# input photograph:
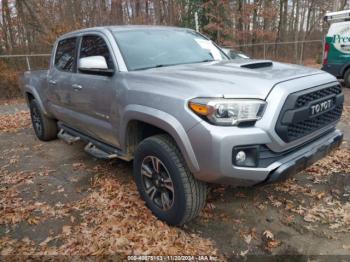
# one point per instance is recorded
(305, 160)
(213, 149)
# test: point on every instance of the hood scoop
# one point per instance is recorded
(257, 65)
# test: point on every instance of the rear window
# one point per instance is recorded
(65, 55)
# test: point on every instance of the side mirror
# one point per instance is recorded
(95, 65)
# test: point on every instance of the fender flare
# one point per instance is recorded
(31, 90)
(164, 121)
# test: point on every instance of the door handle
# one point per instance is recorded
(77, 87)
(52, 82)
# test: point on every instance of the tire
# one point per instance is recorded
(188, 196)
(45, 128)
(347, 78)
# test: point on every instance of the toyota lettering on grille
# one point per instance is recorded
(321, 107)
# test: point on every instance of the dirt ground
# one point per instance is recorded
(57, 200)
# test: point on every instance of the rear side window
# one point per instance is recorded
(93, 45)
(65, 55)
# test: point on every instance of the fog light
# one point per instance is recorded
(241, 157)
(245, 156)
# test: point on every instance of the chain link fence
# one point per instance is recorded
(21, 63)
(298, 52)
(12, 68)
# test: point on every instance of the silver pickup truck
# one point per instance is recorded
(170, 100)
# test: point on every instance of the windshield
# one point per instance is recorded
(149, 48)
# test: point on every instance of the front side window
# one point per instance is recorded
(65, 55)
(149, 48)
(93, 45)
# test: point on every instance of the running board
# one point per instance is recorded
(94, 147)
(68, 138)
(91, 149)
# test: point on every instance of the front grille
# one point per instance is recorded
(307, 98)
(295, 120)
(300, 129)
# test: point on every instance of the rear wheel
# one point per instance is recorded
(165, 183)
(347, 78)
(44, 127)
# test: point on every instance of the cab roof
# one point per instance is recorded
(116, 28)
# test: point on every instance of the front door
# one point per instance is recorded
(92, 95)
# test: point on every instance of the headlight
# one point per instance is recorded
(228, 112)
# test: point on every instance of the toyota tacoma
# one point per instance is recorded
(173, 102)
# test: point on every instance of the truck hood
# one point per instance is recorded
(239, 78)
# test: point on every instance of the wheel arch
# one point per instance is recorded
(31, 93)
(345, 68)
(152, 122)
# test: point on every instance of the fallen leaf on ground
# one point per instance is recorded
(66, 230)
(14, 122)
(273, 244)
(268, 234)
(247, 238)
(244, 253)
(346, 247)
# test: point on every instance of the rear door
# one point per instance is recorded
(93, 95)
(60, 78)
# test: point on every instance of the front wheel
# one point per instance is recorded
(165, 183)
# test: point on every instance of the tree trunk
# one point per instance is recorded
(157, 12)
(296, 29)
(117, 16)
(9, 30)
(255, 25)
(239, 26)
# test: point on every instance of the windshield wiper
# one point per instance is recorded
(155, 66)
(203, 61)
(207, 60)
(166, 65)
